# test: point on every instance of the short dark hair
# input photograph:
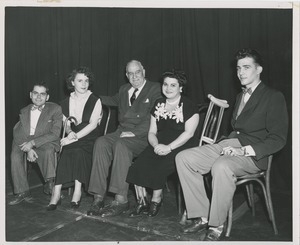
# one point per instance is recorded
(251, 53)
(84, 70)
(42, 84)
(179, 75)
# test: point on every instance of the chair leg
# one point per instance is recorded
(69, 191)
(270, 207)
(179, 198)
(251, 196)
(229, 221)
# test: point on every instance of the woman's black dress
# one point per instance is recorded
(75, 162)
(151, 170)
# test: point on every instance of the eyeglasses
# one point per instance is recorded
(34, 93)
(138, 73)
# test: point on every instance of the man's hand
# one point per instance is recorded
(127, 134)
(232, 151)
(26, 146)
(32, 156)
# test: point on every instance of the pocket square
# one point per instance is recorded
(146, 101)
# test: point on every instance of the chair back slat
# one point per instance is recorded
(213, 120)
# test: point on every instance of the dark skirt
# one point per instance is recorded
(75, 163)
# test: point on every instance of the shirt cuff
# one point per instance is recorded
(249, 151)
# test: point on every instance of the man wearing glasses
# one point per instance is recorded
(37, 133)
(134, 100)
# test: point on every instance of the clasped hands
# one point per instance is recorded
(232, 151)
(162, 150)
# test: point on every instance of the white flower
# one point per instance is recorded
(160, 111)
(177, 114)
(163, 113)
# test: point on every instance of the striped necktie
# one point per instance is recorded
(133, 96)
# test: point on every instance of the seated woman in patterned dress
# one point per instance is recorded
(174, 120)
(75, 162)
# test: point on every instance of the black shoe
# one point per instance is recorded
(214, 234)
(75, 205)
(24, 196)
(115, 208)
(96, 207)
(52, 207)
(154, 208)
(197, 225)
(48, 186)
(141, 208)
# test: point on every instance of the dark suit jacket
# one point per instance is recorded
(135, 118)
(47, 130)
(263, 123)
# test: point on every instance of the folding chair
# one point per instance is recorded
(263, 178)
(209, 134)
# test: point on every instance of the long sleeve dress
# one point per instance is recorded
(76, 158)
(151, 170)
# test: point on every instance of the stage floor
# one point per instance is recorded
(30, 221)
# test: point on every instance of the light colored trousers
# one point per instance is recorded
(193, 163)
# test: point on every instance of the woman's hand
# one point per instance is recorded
(162, 150)
(67, 141)
(72, 135)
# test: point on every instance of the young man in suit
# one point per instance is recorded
(134, 100)
(260, 125)
(37, 133)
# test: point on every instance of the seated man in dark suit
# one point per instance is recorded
(37, 133)
(134, 100)
(260, 126)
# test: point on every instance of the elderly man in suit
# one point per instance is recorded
(134, 100)
(37, 133)
(260, 125)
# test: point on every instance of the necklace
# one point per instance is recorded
(174, 102)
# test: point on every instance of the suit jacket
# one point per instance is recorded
(135, 118)
(48, 127)
(263, 123)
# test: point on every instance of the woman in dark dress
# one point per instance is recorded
(174, 120)
(76, 158)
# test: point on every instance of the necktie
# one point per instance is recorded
(247, 90)
(133, 96)
(34, 107)
(242, 105)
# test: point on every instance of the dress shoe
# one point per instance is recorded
(48, 186)
(214, 234)
(96, 207)
(52, 207)
(154, 208)
(141, 208)
(24, 196)
(75, 205)
(115, 208)
(197, 225)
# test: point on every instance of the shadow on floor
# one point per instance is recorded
(30, 221)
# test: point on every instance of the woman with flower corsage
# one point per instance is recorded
(174, 120)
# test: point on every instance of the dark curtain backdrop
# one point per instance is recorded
(43, 43)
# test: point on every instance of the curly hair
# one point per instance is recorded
(83, 70)
(251, 53)
(179, 75)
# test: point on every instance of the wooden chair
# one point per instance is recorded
(263, 179)
(209, 134)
